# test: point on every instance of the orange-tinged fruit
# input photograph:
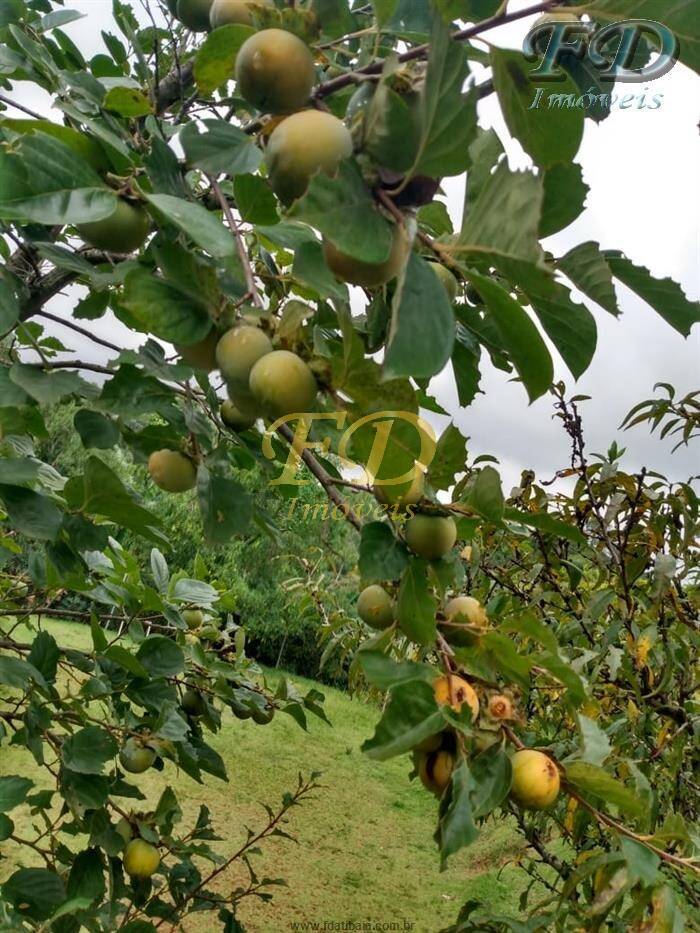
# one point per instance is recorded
(141, 859)
(282, 384)
(435, 771)
(454, 691)
(275, 71)
(303, 144)
(375, 607)
(172, 471)
(535, 779)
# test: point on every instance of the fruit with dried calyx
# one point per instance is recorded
(301, 145)
(369, 274)
(452, 690)
(500, 707)
(376, 607)
(282, 384)
(430, 536)
(122, 232)
(275, 71)
(535, 779)
(223, 12)
(135, 757)
(172, 471)
(141, 859)
(237, 351)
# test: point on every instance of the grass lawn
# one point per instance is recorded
(365, 850)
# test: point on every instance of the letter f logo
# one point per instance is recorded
(557, 47)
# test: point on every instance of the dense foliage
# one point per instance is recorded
(218, 194)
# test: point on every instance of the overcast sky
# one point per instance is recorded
(641, 167)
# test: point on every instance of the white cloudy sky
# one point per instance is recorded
(641, 167)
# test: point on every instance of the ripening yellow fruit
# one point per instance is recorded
(375, 607)
(454, 691)
(282, 384)
(430, 536)
(141, 859)
(435, 771)
(275, 71)
(447, 278)
(402, 495)
(172, 471)
(238, 350)
(466, 609)
(200, 355)
(122, 232)
(368, 274)
(234, 418)
(303, 144)
(535, 779)
(223, 12)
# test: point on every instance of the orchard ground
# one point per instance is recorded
(365, 847)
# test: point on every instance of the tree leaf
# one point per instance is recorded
(86, 879)
(449, 459)
(32, 514)
(564, 197)
(161, 656)
(216, 57)
(343, 209)
(44, 655)
(592, 781)
(95, 429)
(665, 296)
(416, 604)
(48, 388)
(419, 344)
(642, 863)
(225, 506)
(491, 779)
(485, 495)
(88, 750)
(456, 828)
(164, 310)
(255, 200)
(13, 791)
(587, 268)
(570, 326)
(199, 224)
(222, 150)
(596, 745)
(382, 555)
(411, 716)
(384, 672)
(34, 892)
(127, 102)
(466, 354)
(545, 522)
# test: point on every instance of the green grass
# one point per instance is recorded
(365, 849)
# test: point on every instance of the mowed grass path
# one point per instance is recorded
(365, 850)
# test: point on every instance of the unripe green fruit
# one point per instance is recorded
(430, 536)
(223, 12)
(263, 716)
(238, 351)
(535, 779)
(193, 702)
(124, 828)
(234, 418)
(282, 384)
(194, 14)
(141, 859)
(402, 495)
(375, 607)
(201, 355)
(136, 758)
(172, 6)
(447, 279)
(122, 232)
(275, 71)
(368, 274)
(193, 617)
(302, 145)
(172, 471)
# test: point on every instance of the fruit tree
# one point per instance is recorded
(221, 179)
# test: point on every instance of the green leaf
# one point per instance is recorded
(528, 624)
(13, 791)
(449, 460)
(95, 429)
(383, 672)
(564, 673)
(161, 656)
(311, 269)
(32, 514)
(570, 326)
(127, 102)
(419, 344)
(519, 336)
(88, 750)
(34, 892)
(14, 672)
(681, 18)
(44, 655)
(343, 209)
(491, 779)
(225, 506)
(596, 746)
(124, 658)
(642, 863)
(216, 58)
(564, 197)
(466, 354)
(7, 827)
(86, 879)
(390, 129)
(384, 10)
(545, 522)
(548, 135)
(416, 604)
(48, 388)
(411, 716)
(382, 555)
(585, 265)
(222, 150)
(448, 118)
(592, 781)
(164, 310)
(456, 828)
(665, 296)
(9, 302)
(485, 495)
(255, 200)
(203, 227)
